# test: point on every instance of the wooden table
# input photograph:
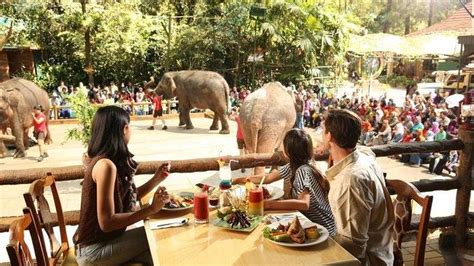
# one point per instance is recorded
(196, 244)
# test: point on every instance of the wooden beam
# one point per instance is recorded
(437, 222)
(417, 147)
(7, 138)
(11, 177)
(465, 176)
(70, 218)
(427, 185)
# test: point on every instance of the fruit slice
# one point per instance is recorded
(282, 237)
(221, 162)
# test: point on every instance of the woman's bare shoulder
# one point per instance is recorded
(103, 167)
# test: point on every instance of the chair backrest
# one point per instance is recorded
(406, 192)
(44, 219)
(17, 250)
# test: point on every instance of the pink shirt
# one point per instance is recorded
(40, 127)
(240, 134)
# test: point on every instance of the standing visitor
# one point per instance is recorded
(157, 111)
(240, 134)
(40, 131)
(299, 106)
(359, 199)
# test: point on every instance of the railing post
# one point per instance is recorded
(465, 176)
(56, 116)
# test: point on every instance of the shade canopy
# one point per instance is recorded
(445, 43)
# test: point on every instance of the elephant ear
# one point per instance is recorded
(169, 80)
(13, 96)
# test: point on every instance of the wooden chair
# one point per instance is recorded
(406, 192)
(17, 250)
(61, 253)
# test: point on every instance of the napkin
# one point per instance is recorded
(167, 223)
(288, 217)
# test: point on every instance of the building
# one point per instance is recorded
(14, 60)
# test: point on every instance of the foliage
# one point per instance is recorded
(48, 79)
(396, 81)
(84, 112)
(131, 39)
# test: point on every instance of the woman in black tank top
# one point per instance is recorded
(109, 196)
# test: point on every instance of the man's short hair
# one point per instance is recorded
(345, 128)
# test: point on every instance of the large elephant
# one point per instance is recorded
(265, 116)
(197, 89)
(17, 99)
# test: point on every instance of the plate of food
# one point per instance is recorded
(178, 201)
(293, 234)
(236, 220)
(272, 192)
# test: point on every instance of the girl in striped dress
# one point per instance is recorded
(305, 187)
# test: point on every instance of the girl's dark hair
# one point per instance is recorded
(108, 139)
(299, 148)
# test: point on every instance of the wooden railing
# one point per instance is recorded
(56, 109)
(462, 183)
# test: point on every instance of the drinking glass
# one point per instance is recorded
(201, 207)
(255, 206)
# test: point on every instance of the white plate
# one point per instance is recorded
(175, 209)
(275, 192)
(324, 234)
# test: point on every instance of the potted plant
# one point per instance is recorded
(84, 112)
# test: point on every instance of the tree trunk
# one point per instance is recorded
(386, 23)
(407, 25)
(430, 14)
(87, 48)
(407, 18)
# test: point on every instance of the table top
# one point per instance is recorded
(211, 245)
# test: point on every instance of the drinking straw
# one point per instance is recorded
(261, 181)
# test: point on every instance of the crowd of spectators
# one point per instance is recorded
(129, 95)
(421, 118)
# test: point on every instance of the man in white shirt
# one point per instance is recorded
(359, 199)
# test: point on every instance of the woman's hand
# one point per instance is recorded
(163, 171)
(159, 199)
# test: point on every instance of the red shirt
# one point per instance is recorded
(157, 102)
(40, 127)
(366, 126)
(240, 134)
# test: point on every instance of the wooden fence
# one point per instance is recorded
(56, 109)
(462, 183)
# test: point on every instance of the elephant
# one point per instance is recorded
(197, 89)
(265, 116)
(17, 99)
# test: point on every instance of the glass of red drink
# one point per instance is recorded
(201, 208)
(255, 206)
